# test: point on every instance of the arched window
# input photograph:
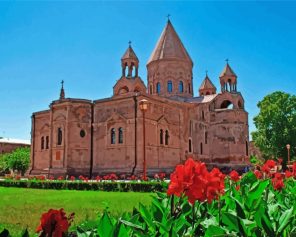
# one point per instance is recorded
(181, 88)
(120, 135)
(201, 148)
(60, 136)
(206, 137)
(158, 87)
(189, 89)
(47, 142)
(167, 137)
(113, 136)
(190, 145)
(226, 104)
(123, 90)
(151, 92)
(203, 115)
(161, 136)
(170, 86)
(42, 143)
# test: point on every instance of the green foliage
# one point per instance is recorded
(4, 164)
(108, 186)
(254, 160)
(256, 210)
(18, 160)
(276, 125)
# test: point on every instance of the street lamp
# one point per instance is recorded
(143, 107)
(288, 149)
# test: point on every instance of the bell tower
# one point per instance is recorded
(129, 63)
(170, 66)
(207, 87)
(129, 82)
(228, 79)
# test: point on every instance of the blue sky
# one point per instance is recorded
(42, 43)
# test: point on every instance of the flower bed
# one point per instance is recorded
(202, 203)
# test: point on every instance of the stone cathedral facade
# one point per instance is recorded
(84, 137)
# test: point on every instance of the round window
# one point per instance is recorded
(82, 133)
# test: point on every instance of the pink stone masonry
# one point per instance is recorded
(83, 137)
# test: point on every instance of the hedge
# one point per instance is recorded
(108, 186)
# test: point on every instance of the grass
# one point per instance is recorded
(21, 208)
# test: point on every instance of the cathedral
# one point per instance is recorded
(144, 127)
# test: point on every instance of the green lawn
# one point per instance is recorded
(20, 207)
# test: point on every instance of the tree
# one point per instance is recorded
(3, 164)
(276, 125)
(18, 160)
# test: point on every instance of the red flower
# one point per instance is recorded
(258, 174)
(194, 180)
(98, 178)
(270, 163)
(237, 187)
(133, 177)
(72, 178)
(294, 169)
(288, 174)
(54, 223)
(60, 178)
(181, 178)
(277, 181)
(51, 177)
(234, 176)
(265, 169)
(280, 160)
(162, 176)
(81, 177)
(278, 184)
(156, 176)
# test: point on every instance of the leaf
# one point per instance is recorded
(25, 233)
(285, 220)
(122, 231)
(147, 217)
(213, 231)
(230, 221)
(4, 233)
(266, 224)
(239, 209)
(256, 192)
(128, 223)
(105, 227)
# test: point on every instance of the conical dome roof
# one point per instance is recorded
(129, 54)
(227, 71)
(169, 46)
(207, 84)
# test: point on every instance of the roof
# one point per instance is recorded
(169, 46)
(14, 141)
(195, 100)
(129, 53)
(227, 71)
(207, 84)
(202, 99)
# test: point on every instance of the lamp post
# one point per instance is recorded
(143, 107)
(288, 149)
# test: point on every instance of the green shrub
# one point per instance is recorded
(108, 186)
